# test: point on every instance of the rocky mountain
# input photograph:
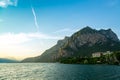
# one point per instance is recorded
(82, 43)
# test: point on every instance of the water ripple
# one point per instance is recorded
(56, 71)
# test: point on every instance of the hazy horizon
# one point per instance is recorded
(29, 27)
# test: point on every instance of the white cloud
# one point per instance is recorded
(63, 30)
(6, 3)
(66, 30)
(12, 38)
(22, 45)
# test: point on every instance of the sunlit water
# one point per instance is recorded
(56, 71)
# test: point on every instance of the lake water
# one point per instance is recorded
(56, 71)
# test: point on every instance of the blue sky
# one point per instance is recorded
(29, 27)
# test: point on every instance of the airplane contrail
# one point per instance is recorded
(35, 19)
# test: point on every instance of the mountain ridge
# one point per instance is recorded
(82, 43)
(6, 60)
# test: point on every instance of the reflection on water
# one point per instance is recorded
(56, 71)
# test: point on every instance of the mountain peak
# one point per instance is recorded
(82, 43)
(109, 34)
(109, 29)
(87, 29)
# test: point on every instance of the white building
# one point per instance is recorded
(97, 54)
(107, 53)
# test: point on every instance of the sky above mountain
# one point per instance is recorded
(29, 27)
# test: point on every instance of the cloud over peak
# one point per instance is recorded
(6, 3)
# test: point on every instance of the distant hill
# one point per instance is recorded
(82, 43)
(4, 60)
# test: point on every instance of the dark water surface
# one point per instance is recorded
(56, 71)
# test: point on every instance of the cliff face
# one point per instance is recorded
(82, 43)
(87, 41)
